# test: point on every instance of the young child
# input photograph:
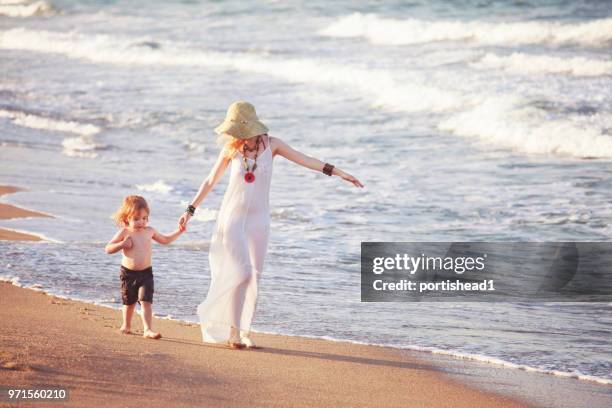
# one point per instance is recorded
(134, 239)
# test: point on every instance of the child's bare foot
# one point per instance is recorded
(125, 330)
(150, 334)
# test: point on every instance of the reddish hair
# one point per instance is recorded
(132, 204)
(232, 145)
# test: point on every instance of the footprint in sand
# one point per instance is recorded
(14, 366)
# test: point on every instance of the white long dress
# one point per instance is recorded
(237, 250)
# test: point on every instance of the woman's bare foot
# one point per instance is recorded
(125, 330)
(234, 339)
(150, 334)
(235, 344)
(247, 341)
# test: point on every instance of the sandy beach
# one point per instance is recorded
(75, 345)
(60, 343)
(465, 122)
(8, 211)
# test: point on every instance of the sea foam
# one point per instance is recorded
(514, 123)
(379, 87)
(45, 123)
(503, 120)
(160, 186)
(380, 30)
(22, 8)
(522, 63)
(82, 145)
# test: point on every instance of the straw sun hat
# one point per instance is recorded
(241, 122)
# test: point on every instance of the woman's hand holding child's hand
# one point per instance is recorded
(182, 224)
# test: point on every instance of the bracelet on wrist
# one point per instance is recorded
(190, 209)
(328, 168)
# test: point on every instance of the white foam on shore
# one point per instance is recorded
(160, 186)
(44, 123)
(380, 30)
(522, 63)
(379, 87)
(463, 356)
(507, 364)
(431, 350)
(82, 146)
(14, 280)
(22, 9)
(510, 122)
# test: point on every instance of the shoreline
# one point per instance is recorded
(9, 211)
(481, 380)
(81, 349)
(493, 363)
(517, 385)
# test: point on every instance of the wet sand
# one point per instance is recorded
(9, 211)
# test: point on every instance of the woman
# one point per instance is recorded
(239, 243)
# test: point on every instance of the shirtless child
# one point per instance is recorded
(134, 238)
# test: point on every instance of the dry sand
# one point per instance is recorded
(71, 344)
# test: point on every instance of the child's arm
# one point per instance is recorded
(166, 239)
(118, 242)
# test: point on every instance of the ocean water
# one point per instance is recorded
(476, 120)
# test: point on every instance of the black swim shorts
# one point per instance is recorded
(132, 282)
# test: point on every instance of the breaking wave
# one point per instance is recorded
(380, 30)
(23, 8)
(379, 87)
(514, 123)
(522, 63)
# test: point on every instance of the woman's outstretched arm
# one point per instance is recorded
(302, 159)
(209, 182)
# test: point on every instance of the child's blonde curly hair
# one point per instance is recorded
(131, 205)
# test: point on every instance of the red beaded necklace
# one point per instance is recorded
(249, 176)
